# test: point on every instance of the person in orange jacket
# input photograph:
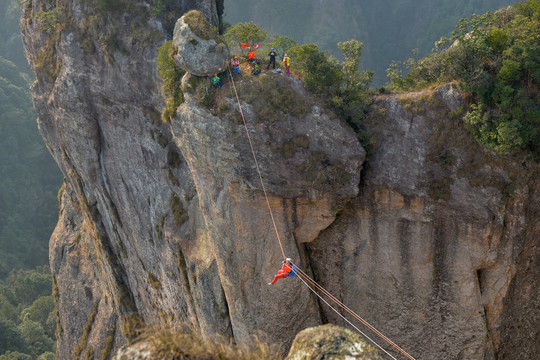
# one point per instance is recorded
(287, 270)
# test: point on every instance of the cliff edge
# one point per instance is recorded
(165, 223)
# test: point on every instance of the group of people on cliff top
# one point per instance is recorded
(255, 70)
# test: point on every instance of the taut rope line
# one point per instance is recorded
(303, 276)
(256, 163)
(344, 318)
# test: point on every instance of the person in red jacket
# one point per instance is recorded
(287, 270)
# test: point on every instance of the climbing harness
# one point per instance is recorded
(301, 274)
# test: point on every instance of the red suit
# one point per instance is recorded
(283, 273)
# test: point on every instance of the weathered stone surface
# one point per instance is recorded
(100, 118)
(333, 343)
(429, 245)
(427, 264)
(138, 351)
(233, 204)
(450, 95)
(199, 54)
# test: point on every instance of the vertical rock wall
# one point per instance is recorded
(166, 223)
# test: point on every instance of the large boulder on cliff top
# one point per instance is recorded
(333, 343)
(200, 50)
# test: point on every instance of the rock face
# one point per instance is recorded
(200, 51)
(165, 223)
(333, 343)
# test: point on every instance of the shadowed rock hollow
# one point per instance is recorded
(166, 223)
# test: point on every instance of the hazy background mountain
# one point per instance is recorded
(389, 29)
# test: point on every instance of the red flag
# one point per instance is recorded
(256, 46)
(244, 46)
(251, 54)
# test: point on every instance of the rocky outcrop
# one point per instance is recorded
(333, 343)
(166, 223)
(200, 51)
(321, 342)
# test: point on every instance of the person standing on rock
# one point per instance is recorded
(272, 55)
(286, 62)
(236, 65)
(287, 270)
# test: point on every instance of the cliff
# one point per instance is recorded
(432, 238)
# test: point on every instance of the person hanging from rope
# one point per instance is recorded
(287, 62)
(287, 270)
(236, 65)
(217, 81)
(272, 55)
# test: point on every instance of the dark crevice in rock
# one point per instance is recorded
(183, 269)
(480, 278)
(315, 276)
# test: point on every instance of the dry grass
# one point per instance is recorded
(175, 344)
(177, 208)
(298, 141)
(198, 23)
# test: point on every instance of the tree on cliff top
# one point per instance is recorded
(245, 33)
(496, 59)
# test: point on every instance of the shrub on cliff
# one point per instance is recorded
(496, 59)
(245, 33)
(172, 76)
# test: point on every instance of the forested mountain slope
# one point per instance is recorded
(29, 178)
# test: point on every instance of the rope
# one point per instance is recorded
(344, 318)
(303, 276)
(256, 163)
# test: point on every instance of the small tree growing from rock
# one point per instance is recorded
(245, 33)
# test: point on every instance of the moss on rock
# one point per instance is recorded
(331, 342)
(198, 23)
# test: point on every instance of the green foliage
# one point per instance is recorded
(111, 5)
(389, 29)
(172, 77)
(245, 33)
(26, 315)
(47, 356)
(29, 179)
(352, 50)
(12, 339)
(15, 355)
(340, 83)
(40, 311)
(282, 44)
(496, 59)
(51, 20)
(35, 337)
(320, 73)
